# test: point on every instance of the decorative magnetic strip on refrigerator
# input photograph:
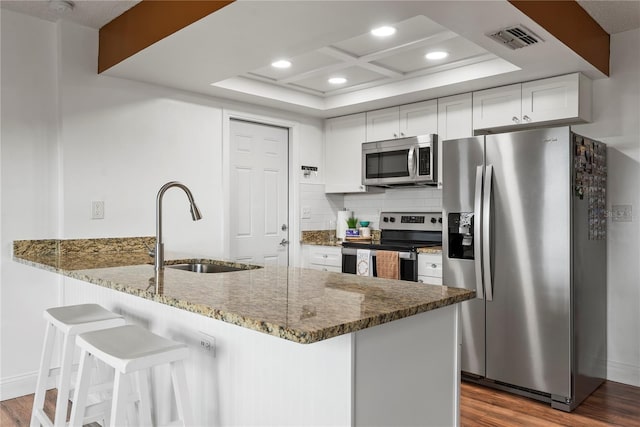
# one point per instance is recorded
(590, 167)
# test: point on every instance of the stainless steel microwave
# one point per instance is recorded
(401, 162)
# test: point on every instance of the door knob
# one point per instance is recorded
(284, 242)
(284, 227)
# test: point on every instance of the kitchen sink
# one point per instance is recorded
(198, 267)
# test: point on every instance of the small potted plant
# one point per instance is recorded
(352, 230)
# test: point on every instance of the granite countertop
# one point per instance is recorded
(295, 304)
(321, 238)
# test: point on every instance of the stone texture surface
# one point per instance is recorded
(295, 304)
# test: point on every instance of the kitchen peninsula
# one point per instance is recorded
(377, 351)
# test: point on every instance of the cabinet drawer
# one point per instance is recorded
(428, 280)
(319, 257)
(430, 265)
(323, 258)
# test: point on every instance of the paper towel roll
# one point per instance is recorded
(341, 223)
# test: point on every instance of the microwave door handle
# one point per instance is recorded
(411, 162)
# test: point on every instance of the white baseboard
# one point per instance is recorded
(18, 385)
(623, 373)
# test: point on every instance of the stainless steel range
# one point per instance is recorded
(404, 232)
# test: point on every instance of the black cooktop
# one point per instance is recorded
(395, 246)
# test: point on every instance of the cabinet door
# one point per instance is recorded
(497, 107)
(383, 124)
(550, 99)
(343, 154)
(420, 118)
(455, 120)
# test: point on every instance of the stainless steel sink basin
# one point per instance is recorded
(209, 268)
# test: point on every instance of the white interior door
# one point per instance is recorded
(259, 228)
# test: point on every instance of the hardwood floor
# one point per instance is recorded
(613, 404)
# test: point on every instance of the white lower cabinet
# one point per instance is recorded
(325, 258)
(430, 269)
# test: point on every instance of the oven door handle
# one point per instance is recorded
(402, 255)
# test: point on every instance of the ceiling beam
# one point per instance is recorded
(145, 24)
(573, 26)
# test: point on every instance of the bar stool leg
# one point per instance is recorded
(144, 408)
(81, 391)
(62, 402)
(182, 397)
(119, 400)
(43, 374)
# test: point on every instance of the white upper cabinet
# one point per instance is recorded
(343, 154)
(420, 118)
(455, 120)
(407, 120)
(497, 107)
(556, 100)
(383, 124)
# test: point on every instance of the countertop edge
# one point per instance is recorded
(294, 335)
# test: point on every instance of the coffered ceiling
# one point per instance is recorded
(229, 53)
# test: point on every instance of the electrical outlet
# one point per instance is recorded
(207, 344)
(622, 213)
(97, 210)
(306, 212)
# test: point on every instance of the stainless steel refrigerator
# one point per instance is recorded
(524, 225)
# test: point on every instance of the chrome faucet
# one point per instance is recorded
(195, 214)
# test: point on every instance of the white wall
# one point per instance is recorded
(70, 136)
(29, 187)
(616, 121)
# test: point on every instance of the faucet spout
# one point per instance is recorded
(195, 214)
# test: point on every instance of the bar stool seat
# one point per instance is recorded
(131, 349)
(70, 321)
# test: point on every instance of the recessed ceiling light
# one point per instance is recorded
(436, 54)
(282, 63)
(337, 80)
(384, 31)
(61, 6)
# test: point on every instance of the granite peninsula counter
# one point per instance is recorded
(406, 334)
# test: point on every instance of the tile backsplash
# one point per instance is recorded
(367, 207)
(322, 207)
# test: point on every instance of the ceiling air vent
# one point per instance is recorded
(515, 37)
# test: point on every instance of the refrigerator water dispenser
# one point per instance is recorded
(461, 235)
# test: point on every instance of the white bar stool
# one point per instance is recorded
(130, 349)
(70, 320)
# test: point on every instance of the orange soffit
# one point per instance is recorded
(147, 23)
(573, 26)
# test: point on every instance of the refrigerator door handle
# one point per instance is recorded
(486, 232)
(477, 232)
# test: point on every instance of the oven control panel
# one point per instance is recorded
(411, 221)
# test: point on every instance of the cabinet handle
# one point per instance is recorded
(526, 119)
(324, 256)
(401, 133)
(395, 135)
(434, 266)
(515, 119)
